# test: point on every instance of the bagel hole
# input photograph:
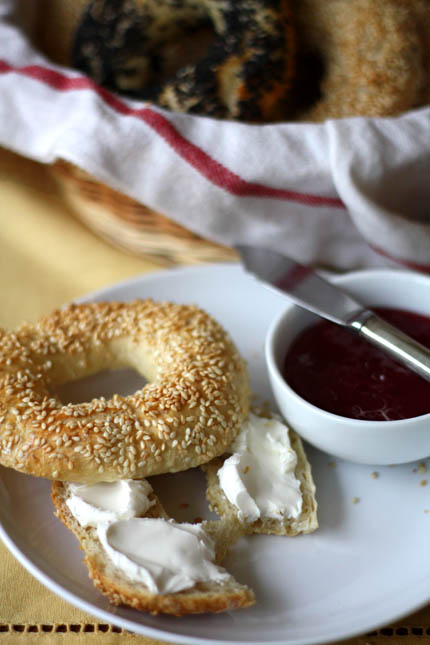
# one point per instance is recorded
(306, 90)
(105, 383)
(183, 495)
(147, 71)
(191, 46)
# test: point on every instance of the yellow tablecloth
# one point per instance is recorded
(47, 258)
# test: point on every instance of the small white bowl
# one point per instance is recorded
(368, 442)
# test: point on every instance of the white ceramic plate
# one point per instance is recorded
(367, 565)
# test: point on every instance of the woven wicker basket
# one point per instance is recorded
(131, 226)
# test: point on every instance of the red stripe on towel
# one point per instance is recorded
(415, 266)
(208, 167)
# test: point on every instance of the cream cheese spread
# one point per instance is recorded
(259, 477)
(166, 556)
(109, 501)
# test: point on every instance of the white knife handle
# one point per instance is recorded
(400, 346)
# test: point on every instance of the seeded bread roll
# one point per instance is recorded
(222, 59)
(188, 413)
(203, 597)
(305, 523)
(373, 56)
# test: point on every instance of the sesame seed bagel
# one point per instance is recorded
(242, 71)
(373, 56)
(189, 411)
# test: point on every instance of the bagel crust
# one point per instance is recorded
(244, 71)
(189, 412)
(374, 55)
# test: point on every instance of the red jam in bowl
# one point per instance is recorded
(339, 372)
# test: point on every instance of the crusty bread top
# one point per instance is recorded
(375, 55)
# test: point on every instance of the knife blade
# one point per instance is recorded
(307, 289)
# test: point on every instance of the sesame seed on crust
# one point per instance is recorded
(189, 411)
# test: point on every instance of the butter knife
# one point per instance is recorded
(312, 292)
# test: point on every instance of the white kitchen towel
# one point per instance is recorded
(344, 194)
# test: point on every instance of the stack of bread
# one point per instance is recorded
(193, 412)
